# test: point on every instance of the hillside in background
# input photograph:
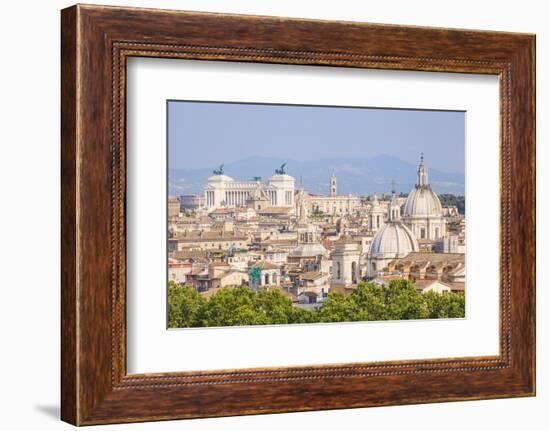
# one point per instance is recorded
(356, 176)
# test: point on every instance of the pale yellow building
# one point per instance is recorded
(173, 206)
(208, 240)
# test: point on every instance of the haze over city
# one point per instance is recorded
(205, 134)
(368, 148)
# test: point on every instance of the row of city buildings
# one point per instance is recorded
(273, 235)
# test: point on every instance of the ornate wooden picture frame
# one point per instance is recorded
(96, 41)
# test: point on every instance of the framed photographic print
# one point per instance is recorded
(268, 215)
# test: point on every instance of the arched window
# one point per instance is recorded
(338, 272)
(266, 279)
(431, 272)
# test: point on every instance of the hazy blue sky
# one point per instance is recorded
(204, 135)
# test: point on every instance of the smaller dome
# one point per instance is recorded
(309, 250)
(422, 202)
(393, 240)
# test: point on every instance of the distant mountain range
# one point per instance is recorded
(356, 176)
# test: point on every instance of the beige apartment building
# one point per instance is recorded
(208, 240)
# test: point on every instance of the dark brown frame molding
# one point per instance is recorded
(95, 43)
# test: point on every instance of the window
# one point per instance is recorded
(338, 272)
(422, 233)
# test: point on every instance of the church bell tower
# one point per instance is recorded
(333, 189)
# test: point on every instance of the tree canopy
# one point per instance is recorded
(448, 200)
(369, 301)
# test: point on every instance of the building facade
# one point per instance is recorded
(208, 240)
(447, 267)
(173, 206)
(333, 203)
(223, 191)
(346, 269)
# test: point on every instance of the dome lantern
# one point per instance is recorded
(422, 212)
(422, 173)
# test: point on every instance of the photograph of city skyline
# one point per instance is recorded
(293, 214)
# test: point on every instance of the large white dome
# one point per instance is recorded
(422, 202)
(393, 240)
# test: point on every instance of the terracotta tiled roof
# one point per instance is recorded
(346, 239)
(188, 254)
(433, 257)
(277, 250)
(422, 284)
(457, 287)
(209, 236)
(311, 275)
(198, 271)
(275, 210)
(264, 264)
(388, 278)
(217, 264)
(280, 242)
